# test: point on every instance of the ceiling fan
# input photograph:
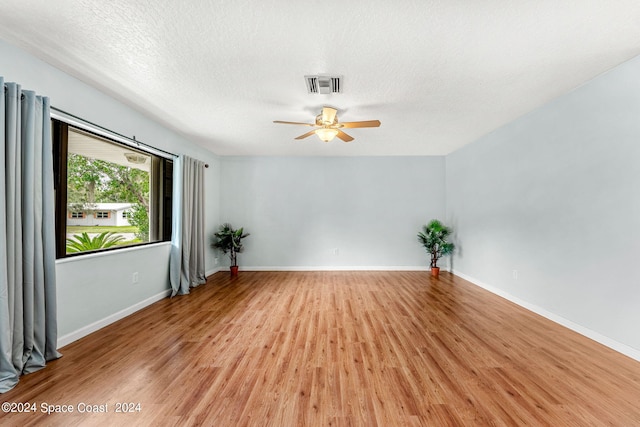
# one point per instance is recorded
(328, 126)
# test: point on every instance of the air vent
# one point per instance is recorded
(324, 84)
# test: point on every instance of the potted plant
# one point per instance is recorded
(434, 239)
(230, 242)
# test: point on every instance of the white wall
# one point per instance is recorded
(299, 209)
(94, 289)
(90, 289)
(555, 195)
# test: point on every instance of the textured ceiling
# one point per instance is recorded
(437, 74)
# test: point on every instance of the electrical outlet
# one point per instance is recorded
(335, 251)
(215, 260)
(134, 278)
(515, 274)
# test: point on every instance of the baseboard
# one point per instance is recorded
(86, 330)
(336, 268)
(602, 339)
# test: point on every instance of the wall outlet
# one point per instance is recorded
(336, 251)
(134, 278)
(515, 274)
(215, 260)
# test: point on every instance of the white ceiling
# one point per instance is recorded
(437, 74)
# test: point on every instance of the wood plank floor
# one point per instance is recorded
(335, 349)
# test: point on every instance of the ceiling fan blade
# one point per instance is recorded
(306, 135)
(364, 124)
(343, 136)
(293, 123)
(328, 114)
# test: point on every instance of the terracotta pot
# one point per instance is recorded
(234, 270)
(435, 271)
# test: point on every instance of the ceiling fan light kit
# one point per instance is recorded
(328, 126)
(326, 134)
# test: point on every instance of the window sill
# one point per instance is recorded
(111, 252)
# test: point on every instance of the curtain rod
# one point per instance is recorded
(134, 140)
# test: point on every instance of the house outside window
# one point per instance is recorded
(102, 214)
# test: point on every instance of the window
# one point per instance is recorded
(95, 177)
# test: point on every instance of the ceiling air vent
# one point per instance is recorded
(324, 84)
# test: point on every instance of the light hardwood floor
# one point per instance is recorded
(339, 349)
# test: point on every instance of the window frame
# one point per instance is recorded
(60, 124)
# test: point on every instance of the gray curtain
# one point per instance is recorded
(28, 325)
(187, 241)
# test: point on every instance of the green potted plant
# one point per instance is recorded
(230, 242)
(434, 239)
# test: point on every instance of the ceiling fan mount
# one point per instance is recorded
(328, 127)
(320, 121)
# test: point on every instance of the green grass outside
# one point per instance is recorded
(77, 229)
(129, 242)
